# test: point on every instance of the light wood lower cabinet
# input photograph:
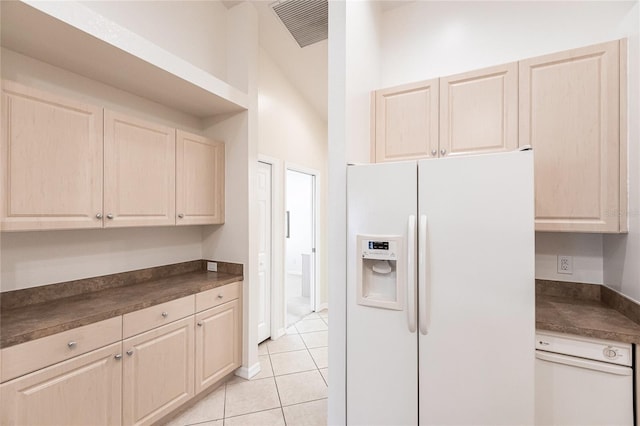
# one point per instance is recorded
(157, 372)
(218, 343)
(136, 381)
(85, 390)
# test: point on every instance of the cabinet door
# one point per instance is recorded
(407, 122)
(85, 390)
(569, 114)
(139, 172)
(51, 161)
(479, 111)
(199, 180)
(218, 343)
(157, 372)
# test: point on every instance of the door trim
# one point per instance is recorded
(315, 303)
(278, 305)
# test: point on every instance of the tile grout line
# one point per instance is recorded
(277, 390)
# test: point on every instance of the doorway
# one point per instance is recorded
(300, 243)
(265, 238)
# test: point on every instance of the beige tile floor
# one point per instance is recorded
(291, 388)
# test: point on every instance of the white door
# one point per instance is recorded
(264, 253)
(476, 290)
(300, 244)
(382, 346)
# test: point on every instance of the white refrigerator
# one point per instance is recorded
(440, 291)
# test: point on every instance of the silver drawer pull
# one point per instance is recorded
(118, 357)
(220, 296)
(165, 314)
(199, 323)
(130, 352)
(543, 343)
(72, 344)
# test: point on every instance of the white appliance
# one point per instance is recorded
(440, 291)
(583, 381)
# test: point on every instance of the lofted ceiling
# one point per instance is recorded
(304, 67)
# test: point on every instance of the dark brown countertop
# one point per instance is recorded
(581, 309)
(19, 324)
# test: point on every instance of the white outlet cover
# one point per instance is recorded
(565, 264)
(212, 266)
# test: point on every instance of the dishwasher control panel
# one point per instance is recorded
(584, 347)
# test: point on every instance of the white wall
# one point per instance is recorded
(236, 240)
(31, 259)
(430, 39)
(36, 258)
(291, 133)
(194, 31)
(622, 252)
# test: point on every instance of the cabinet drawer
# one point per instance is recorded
(216, 296)
(155, 316)
(31, 356)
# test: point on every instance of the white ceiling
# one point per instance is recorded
(305, 68)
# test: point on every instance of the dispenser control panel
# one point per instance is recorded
(379, 249)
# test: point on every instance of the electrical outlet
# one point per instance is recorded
(212, 266)
(565, 264)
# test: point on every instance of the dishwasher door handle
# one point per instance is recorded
(620, 370)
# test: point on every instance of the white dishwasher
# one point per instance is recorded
(583, 381)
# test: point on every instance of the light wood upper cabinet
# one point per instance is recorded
(85, 390)
(51, 161)
(479, 111)
(218, 343)
(158, 373)
(139, 172)
(406, 121)
(199, 180)
(570, 114)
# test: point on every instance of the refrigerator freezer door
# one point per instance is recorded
(382, 352)
(476, 364)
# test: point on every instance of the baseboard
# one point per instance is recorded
(323, 306)
(247, 373)
(279, 333)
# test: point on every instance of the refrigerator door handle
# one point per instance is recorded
(424, 278)
(411, 273)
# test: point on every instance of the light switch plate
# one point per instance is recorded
(565, 264)
(212, 266)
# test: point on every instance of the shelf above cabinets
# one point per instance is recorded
(71, 36)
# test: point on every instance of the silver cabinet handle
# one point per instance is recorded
(118, 357)
(165, 314)
(434, 152)
(109, 216)
(199, 323)
(220, 296)
(98, 215)
(130, 352)
(181, 215)
(443, 151)
(72, 344)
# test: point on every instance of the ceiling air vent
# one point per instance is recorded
(306, 20)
